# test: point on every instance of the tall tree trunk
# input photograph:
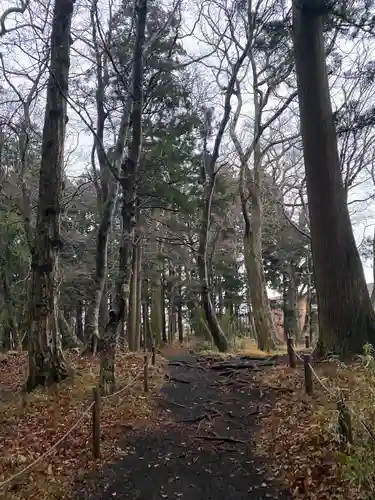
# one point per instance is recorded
(132, 307)
(139, 296)
(172, 312)
(290, 306)
(156, 307)
(164, 291)
(10, 309)
(107, 191)
(147, 341)
(255, 274)
(103, 309)
(346, 317)
(307, 327)
(79, 320)
(46, 361)
(373, 273)
(180, 324)
(213, 324)
(128, 180)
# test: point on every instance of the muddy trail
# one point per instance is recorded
(202, 447)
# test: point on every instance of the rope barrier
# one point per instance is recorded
(49, 451)
(74, 426)
(315, 374)
(127, 386)
(364, 422)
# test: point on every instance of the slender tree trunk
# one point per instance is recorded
(69, 339)
(213, 324)
(346, 317)
(220, 301)
(46, 361)
(132, 308)
(373, 272)
(164, 291)
(79, 321)
(103, 309)
(156, 307)
(180, 325)
(172, 313)
(255, 274)
(128, 180)
(10, 309)
(139, 297)
(107, 192)
(145, 315)
(291, 314)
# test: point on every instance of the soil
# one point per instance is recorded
(202, 445)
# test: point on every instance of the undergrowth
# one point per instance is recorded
(300, 436)
(358, 464)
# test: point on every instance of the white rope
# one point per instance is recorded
(127, 386)
(315, 374)
(364, 422)
(84, 414)
(48, 452)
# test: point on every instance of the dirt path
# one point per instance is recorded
(203, 450)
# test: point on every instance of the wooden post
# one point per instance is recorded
(344, 424)
(153, 360)
(291, 353)
(308, 374)
(96, 424)
(145, 373)
(307, 341)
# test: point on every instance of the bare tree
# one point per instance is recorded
(128, 182)
(46, 360)
(106, 179)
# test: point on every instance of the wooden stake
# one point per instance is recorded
(145, 373)
(308, 374)
(291, 353)
(307, 341)
(344, 424)
(96, 424)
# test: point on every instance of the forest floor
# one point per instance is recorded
(203, 445)
(31, 423)
(212, 427)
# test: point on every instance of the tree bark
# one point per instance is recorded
(346, 317)
(290, 306)
(147, 341)
(139, 296)
(12, 330)
(107, 191)
(79, 320)
(128, 180)
(164, 291)
(132, 308)
(373, 273)
(46, 361)
(259, 299)
(213, 324)
(156, 307)
(69, 339)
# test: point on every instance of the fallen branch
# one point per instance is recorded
(168, 401)
(179, 380)
(225, 439)
(209, 415)
(184, 364)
